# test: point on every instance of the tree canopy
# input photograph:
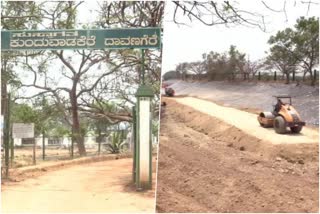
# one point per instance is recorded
(297, 47)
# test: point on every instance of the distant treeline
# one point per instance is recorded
(293, 56)
(259, 76)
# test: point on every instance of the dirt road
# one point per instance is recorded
(247, 122)
(208, 165)
(95, 187)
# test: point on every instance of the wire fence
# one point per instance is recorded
(259, 76)
(28, 154)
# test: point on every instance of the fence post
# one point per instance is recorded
(10, 141)
(275, 76)
(6, 134)
(294, 76)
(72, 141)
(12, 147)
(43, 145)
(99, 145)
(34, 151)
(133, 136)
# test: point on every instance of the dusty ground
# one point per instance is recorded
(96, 187)
(257, 96)
(208, 165)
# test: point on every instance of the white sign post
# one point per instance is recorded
(143, 153)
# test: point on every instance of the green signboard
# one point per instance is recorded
(142, 38)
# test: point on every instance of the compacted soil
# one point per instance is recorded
(104, 186)
(257, 96)
(209, 165)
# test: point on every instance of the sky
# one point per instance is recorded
(183, 43)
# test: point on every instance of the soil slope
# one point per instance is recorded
(208, 165)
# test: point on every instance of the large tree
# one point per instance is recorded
(216, 65)
(182, 69)
(282, 55)
(298, 47)
(236, 62)
(306, 40)
(198, 68)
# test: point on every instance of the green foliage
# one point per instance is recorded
(23, 113)
(236, 61)
(19, 15)
(296, 47)
(155, 128)
(60, 130)
(67, 13)
(16, 15)
(117, 142)
(45, 116)
(282, 54)
(216, 66)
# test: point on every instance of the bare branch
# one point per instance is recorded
(98, 80)
(60, 55)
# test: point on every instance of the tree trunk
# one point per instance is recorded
(4, 112)
(99, 140)
(43, 145)
(304, 76)
(287, 78)
(312, 79)
(4, 92)
(294, 76)
(79, 138)
(311, 74)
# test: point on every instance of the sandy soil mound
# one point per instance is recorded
(207, 165)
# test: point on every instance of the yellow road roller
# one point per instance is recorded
(283, 115)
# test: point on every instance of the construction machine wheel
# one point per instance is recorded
(296, 129)
(279, 125)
